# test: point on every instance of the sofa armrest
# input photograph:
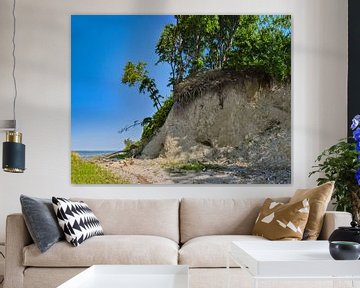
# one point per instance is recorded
(17, 237)
(333, 220)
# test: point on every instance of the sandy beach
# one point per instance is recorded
(157, 171)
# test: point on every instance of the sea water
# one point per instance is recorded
(89, 154)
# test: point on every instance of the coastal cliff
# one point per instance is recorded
(226, 116)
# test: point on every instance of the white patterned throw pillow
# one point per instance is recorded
(77, 220)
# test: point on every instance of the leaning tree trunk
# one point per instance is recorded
(355, 202)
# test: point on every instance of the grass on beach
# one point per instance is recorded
(85, 172)
(195, 166)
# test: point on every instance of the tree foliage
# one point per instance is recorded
(136, 74)
(198, 43)
(157, 120)
(183, 45)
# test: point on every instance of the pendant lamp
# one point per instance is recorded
(13, 159)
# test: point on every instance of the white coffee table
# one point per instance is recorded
(131, 276)
(292, 260)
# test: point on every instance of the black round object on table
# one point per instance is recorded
(344, 250)
(351, 233)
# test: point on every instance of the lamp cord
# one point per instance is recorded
(14, 61)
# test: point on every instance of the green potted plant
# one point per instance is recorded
(341, 163)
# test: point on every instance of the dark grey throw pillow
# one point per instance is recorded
(41, 221)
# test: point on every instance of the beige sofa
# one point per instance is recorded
(194, 232)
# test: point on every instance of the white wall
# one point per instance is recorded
(43, 74)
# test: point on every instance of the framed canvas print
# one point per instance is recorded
(181, 99)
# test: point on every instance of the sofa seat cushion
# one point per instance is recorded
(211, 251)
(206, 217)
(107, 249)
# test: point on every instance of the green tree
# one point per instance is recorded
(169, 51)
(128, 142)
(184, 45)
(264, 44)
(242, 42)
(220, 40)
(157, 120)
(131, 144)
(136, 74)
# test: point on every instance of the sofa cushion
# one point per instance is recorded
(158, 217)
(41, 221)
(319, 198)
(76, 220)
(279, 221)
(201, 217)
(211, 251)
(107, 249)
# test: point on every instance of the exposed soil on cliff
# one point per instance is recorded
(226, 115)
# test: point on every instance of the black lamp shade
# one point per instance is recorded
(13, 157)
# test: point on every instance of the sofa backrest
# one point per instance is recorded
(159, 217)
(200, 217)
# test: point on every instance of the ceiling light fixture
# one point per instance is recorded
(13, 149)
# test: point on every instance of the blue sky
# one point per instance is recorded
(100, 104)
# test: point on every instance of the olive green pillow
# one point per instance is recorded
(319, 198)
(279, 221)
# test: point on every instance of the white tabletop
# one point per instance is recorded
(291, 259)
(131, 276)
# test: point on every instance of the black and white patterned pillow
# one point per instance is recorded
(77, 220)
